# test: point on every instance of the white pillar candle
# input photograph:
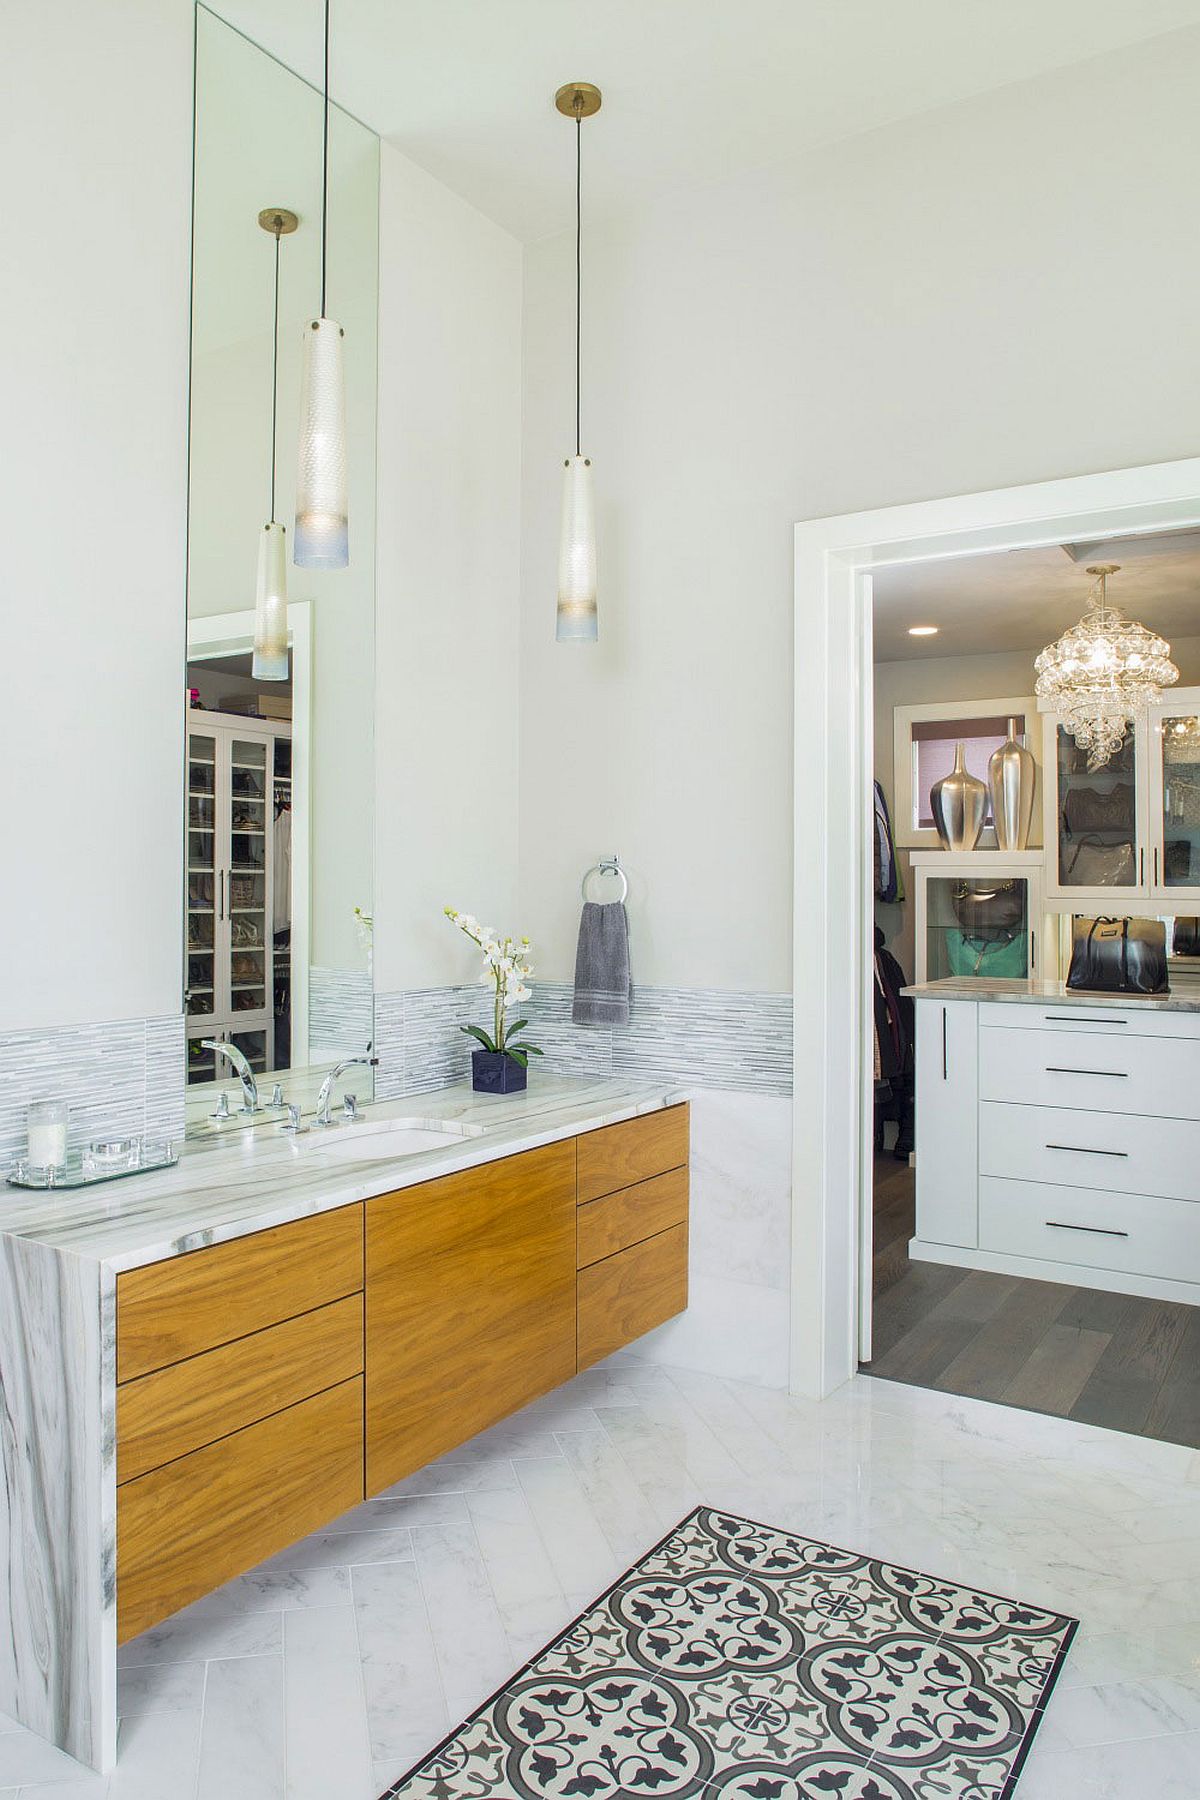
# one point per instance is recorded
(47, 1128)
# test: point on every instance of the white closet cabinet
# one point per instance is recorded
(231, 887)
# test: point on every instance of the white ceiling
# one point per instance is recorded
(1024, 599)
(694, 90)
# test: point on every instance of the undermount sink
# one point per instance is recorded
(381, 1140)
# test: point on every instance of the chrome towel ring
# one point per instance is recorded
(608, 865)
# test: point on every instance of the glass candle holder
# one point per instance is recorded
(46, 1125)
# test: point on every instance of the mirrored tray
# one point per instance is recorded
(84, 1168)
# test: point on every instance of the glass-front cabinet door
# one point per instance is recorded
(978, 915)
(1096, 825)
(1174, 737)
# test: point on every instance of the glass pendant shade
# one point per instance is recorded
(576, 618)
(270, 660)
(1102, 674)
(322, 540)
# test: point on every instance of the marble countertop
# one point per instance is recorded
(1037, 993)
(226, 1186)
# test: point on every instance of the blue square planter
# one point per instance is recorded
(493, 1072)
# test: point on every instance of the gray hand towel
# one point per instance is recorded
(602, 966)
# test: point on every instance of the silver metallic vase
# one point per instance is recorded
(1012, 773)
(958, 803)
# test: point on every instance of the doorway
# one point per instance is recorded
(836, 561)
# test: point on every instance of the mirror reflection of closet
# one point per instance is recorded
(280, 774)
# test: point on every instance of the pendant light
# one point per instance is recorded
(576, 617)
(270, 660)
(1103, 673)
(321, 540)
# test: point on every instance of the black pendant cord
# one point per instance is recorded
(578, 269)
(325, 160)
(275, 376)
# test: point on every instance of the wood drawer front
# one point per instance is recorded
(629, 1294)
(631, 1215)
(470, 1304)
(185, 1529)
(1135, 1234)
(1092, 1070)
(178, 1409)
(616, 1156)
(169, 1310)
(1125, 1019)
(1123, 1152)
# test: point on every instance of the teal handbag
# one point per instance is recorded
(1003, 958)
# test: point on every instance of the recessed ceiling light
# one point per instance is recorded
(922, 631)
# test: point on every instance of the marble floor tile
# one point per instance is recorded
(342, 1549)
(327, 1746)
(403, 1693)
(582, 1557)
(242, 1735)
(160, 1687)
(198, 1635)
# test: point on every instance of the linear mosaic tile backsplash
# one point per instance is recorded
(120, 1080)
(704, 1037)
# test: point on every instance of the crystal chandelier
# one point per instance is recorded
(1103, 673)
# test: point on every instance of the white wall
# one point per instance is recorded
(448, 561)
(996, 293)
(96, 141)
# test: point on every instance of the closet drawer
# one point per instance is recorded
(631, 1215)
(1123, 1152)
(1126, 1018)
(1092, 1070)
(169, 1310)
(173, 1411)
(628, 1294)
(616, 1156)
(1135, 1234)
(184, 1529)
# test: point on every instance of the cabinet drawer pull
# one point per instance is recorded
(1109, 1074)
(1086, 1150)
(1083, 1019)
(1095, 1230)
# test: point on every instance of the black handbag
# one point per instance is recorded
(1118, 956)
(1186, 941)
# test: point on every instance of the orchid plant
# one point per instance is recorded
(506, 967)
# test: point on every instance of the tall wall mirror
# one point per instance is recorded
(279, 773)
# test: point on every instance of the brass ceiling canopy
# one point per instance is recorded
(578, 100)
(278, 221)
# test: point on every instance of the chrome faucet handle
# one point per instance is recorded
(293, 1124)
(222, 1111)
(350, 1107)
(277, 1100)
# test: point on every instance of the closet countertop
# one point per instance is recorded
(1038, 993)
(229, 1184)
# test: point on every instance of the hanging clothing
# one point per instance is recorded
(894, 1046)
(281, 911)
(889, 884)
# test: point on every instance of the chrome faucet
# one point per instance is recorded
(322, 1115)
(244, 1072)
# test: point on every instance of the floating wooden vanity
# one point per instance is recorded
(268, 1384)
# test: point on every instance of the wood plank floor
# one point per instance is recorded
(1109, 1359)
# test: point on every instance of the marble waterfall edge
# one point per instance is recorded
(57, 1377)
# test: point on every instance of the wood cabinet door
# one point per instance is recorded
(470, 1289)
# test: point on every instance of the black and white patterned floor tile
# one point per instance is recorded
(741, 1662)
